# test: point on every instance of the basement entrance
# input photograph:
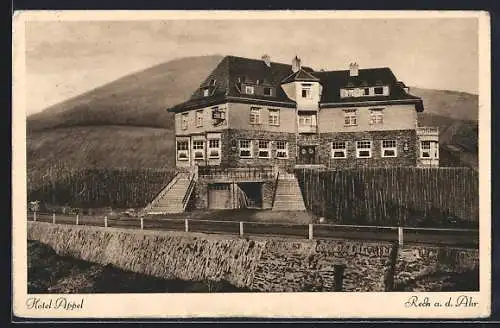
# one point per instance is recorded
(250, 194)
(219, 196)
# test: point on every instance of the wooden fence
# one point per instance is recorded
(450, 237)
(91, 188)
(393, 196)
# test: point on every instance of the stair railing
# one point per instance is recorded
(193, 177)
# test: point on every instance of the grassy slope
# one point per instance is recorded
(101, 146)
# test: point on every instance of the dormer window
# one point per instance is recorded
(206, 92)
(366, 91)
(268, 91)
(249, 89)
(212, 82)
(379, 90)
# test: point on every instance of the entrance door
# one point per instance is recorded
(219, 196)
(307, 154)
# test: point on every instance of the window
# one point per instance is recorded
(376, 116)
(425, 149)
(366, 91)
(339, 149)
(281, 149)
(212, 82)
(379, 90)
(213, 148)
(198, 147)
(274, 117)
(199, 118)
(249, 89)
(389, 148)
(182, 150)
(184, 121)
(268, 91)
(264, 149)
(254, 115)
(206, 92)
(245, 148)
(307, 120)
(306, 91)
(364, 149)
(350, 117)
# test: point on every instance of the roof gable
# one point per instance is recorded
(300, 75)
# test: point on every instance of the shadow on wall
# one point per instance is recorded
(51, 273)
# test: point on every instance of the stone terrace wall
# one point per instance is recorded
(427, 268)
(271, 264)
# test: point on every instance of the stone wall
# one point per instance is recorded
(260, 264)
(430, 268)
(230, 150)
(404, 157)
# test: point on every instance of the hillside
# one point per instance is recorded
(125, 123)
(453, 104)
(138, 99)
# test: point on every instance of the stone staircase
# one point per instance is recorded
(288, 196)
(175, 196)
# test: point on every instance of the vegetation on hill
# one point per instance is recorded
(453, 104)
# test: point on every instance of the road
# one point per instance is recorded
(444, 237)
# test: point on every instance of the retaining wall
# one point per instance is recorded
(260, 264)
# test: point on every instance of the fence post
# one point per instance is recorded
(400, 236)
(142, 223)
(310, 231)
(186, 225)
(241, 228)
(54, 218)
(105, 221)
(77, 219)
(34, 216)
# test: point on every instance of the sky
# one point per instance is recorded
(67, 58)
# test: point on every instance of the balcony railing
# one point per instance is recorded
(262, 173)
(308, 128)
(428, 130)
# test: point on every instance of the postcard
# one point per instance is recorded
(251, 164)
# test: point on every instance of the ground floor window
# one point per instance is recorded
(389, 148)
(364, 149)
(264, 149)
(281, 149)
(198, 148)
(429, 149)
(339, 149)
(245, 148)
(213, 148)
(182, 150)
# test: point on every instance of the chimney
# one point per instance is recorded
(353, 69)
(295, 64)
(266, 59)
